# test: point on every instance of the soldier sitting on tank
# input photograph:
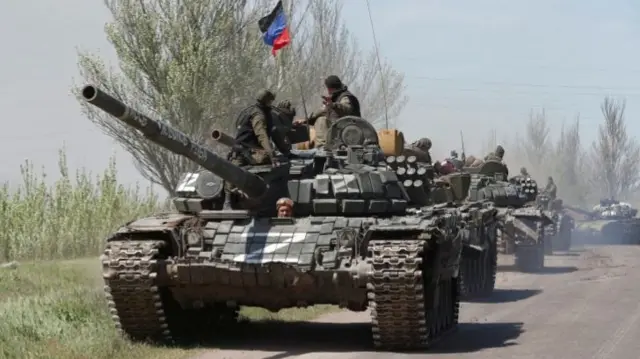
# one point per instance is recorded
(455, 160)
(340, 102)
(422, 146)
(497, 155)
(254, 132)
(284, 207)
(550, 189)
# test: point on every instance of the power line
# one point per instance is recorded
(382, 82)
(523, 84)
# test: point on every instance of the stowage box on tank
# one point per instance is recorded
(352, 241)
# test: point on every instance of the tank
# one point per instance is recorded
(558, 233)
(426, 187)
(352, 241)
(611, 222)
(521, 222)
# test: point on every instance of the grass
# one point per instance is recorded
(52, 305)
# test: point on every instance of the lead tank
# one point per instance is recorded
(352, 241)
(521, 222)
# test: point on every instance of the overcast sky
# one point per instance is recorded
(471, 65)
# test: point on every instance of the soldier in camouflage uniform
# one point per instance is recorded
(497, 155)
(340, 102)
(255, 129)
(551, 188)
(422, 146)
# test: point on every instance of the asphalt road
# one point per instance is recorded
(585, 305)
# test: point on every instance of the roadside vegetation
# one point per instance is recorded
(51, 291)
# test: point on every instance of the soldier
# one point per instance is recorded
(497, 155)
(455, 160)
(422, 145)
(524, 172)
(254, 130)
(284, 207)
(285, 112)
(340, 102)
(551, 188)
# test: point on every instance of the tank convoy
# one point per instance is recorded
(427, 186)
(610, 221)
(521, 222)
(353, 240)
(559, 232)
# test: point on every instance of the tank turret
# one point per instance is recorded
(177, 142)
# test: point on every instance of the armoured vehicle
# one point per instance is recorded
(521, 221)
(352, 241)
(558, 233)
(611, 222)
(479, 256)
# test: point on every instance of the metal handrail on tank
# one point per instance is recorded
(176, 142)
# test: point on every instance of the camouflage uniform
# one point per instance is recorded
(497, 155)
(254, 128)
(422, 146)
(342, 103)
(551, 188)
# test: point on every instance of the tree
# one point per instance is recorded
(535, 146)
(569, 164)
(615, 156)
(195, 64)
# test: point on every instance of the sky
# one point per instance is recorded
(469, 65)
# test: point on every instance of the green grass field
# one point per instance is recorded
(51, 304)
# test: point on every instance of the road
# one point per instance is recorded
(585, 305)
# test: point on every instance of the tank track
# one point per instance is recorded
(397, 298)
(478, 275)
(134, 299)
(530, 259)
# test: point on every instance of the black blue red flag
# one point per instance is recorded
(274, 28)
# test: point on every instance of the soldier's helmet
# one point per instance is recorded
(550, 179)
(265, 97)
(423, 144)
(287, 107)
(499, 151)
(454, 154)
(523, 171)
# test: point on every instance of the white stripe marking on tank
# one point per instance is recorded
(257, 256)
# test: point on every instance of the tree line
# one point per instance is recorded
(608, 167)
(195, 64)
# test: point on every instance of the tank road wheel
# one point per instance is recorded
(530, 258)
(396, 292)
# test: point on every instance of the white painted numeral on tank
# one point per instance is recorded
(187, 182)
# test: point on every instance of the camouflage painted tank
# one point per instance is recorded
(521, 222)
(352, 241)
(611, 223)
(558, 233)
(479, 256)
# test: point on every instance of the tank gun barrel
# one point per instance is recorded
(222, 137)
(176, 142)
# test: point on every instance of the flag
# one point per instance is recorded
(274, 28)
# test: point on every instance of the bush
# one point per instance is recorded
(69, 218)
